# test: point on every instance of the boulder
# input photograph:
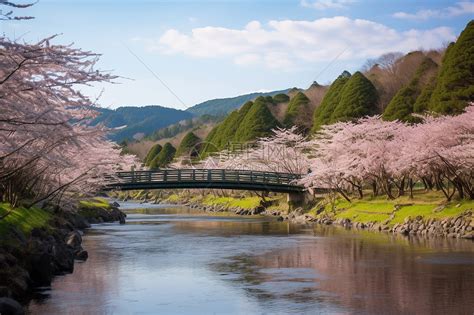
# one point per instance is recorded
(41, 269)
(469, 236)
(63, 258)
(9, 306)
(82, 255)
(115, 204)
(74, 239)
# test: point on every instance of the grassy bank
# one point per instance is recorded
(244, 201)
(428, 205)
(88, 208)
(22, 218)
(369, 209)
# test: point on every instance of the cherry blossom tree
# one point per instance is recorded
(393, 156)
(47, 151)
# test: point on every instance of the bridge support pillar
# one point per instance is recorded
(296, 200)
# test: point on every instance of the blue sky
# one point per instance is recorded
(212, 49)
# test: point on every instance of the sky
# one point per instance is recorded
(180, 53)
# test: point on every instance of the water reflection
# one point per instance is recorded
(176, 261)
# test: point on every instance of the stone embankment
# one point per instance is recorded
(30, 261)
(461, 226)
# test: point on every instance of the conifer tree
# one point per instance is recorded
(154, 151)
(165, 156)
(455, 82)
(189, 142)
(402, 104)
(322, 114)
(358, 98)
(297, 106)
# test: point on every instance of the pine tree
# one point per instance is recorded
(322, 114)
(154, 151)
(224, 133)
(188, 144)
(258, 122)
(402, 104)
(281, 98)
(358, 98)
(455, 82)
(164, 157)
(297, 106)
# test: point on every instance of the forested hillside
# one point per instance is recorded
(223, 106)
(137, 122)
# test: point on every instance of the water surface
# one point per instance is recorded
(169, 260)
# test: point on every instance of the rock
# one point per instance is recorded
(9, 306)
(18, 235)
(82, 255)
(469, 236)
(4, 291)
(439, 208)
(41, 269)
(404, 231)
(74, 239)
(63, 258)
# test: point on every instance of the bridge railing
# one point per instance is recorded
(204, 175)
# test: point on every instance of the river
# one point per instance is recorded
(171, 260)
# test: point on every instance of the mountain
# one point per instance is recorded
(138, 121)
(223, 106)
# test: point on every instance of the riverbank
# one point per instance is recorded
(174, 260)
(426, 214)
(37, 244)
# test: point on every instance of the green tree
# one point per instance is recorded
(297, 106)
(402, 104)
(322, 114)
(165, 156)
(225, 131)
(358, 98)
(269, 99)
(258, 122)
(423, 100)
(281, 98)
(189, 142)
(455, 82)
(154, 151)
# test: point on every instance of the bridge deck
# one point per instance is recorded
(205, 178)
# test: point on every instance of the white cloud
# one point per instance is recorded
(460, 8)
(326, 4)
(284, 44)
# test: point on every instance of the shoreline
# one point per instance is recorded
(30, 260)
(459, 226)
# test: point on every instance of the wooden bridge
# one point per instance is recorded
(206, 178)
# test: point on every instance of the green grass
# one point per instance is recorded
(174, 198)
(244, 203)
(96, 202)
(379, 209)
(23, 218)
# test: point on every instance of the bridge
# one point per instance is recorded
(207, 179)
